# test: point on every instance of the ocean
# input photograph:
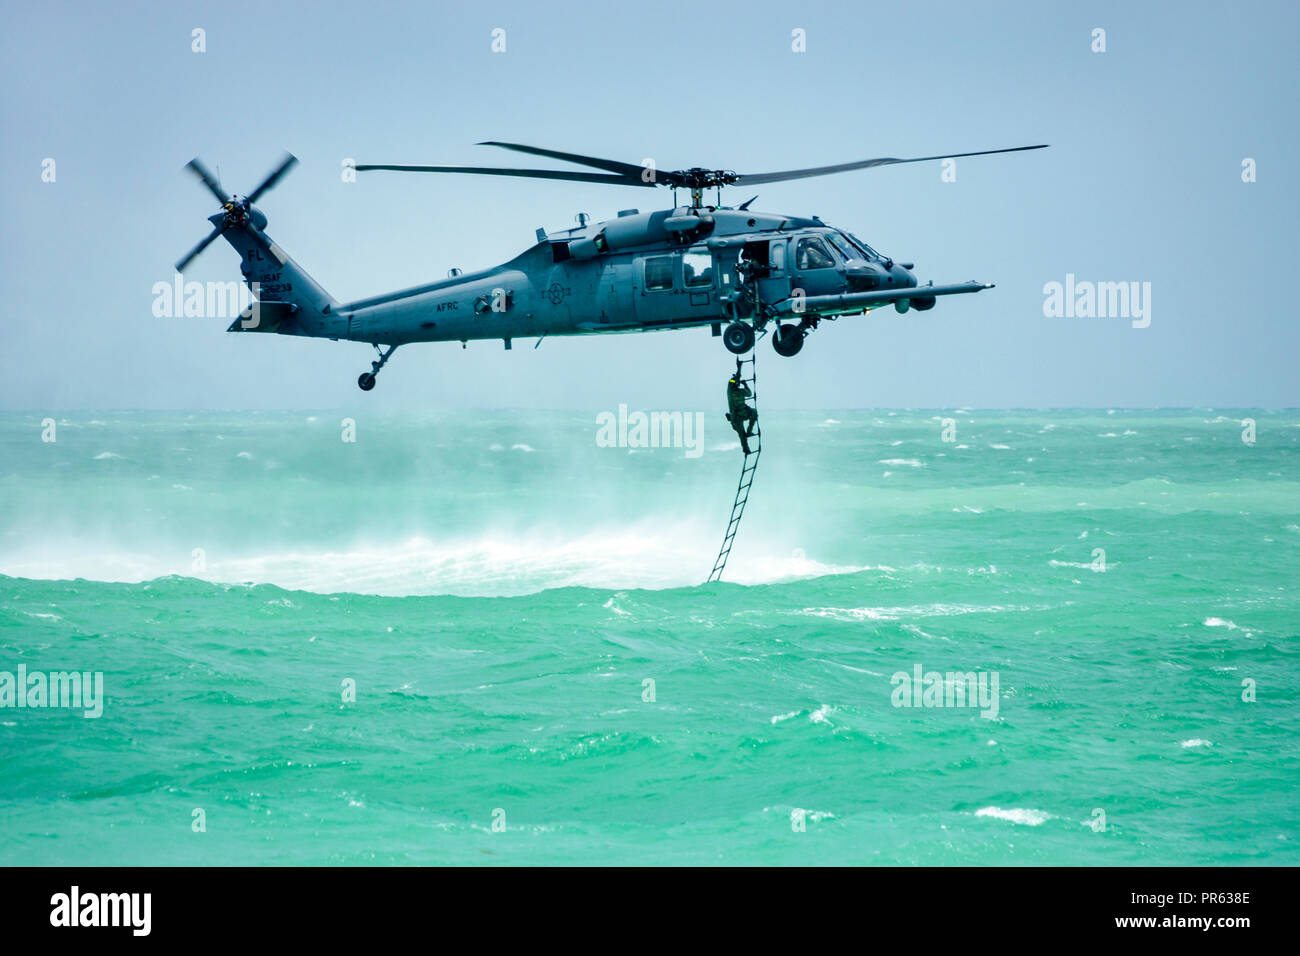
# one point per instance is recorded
(963, 637)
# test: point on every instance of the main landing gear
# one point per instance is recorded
(366, 380)
(738, 337)
(788, 339)
(751, 315)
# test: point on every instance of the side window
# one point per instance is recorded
(697, 269)
(659, 273)
(812, 255)
(777, 257)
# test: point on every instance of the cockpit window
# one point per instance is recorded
(870, 253)
(843, 246)
(811, 254)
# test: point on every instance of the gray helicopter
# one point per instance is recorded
(741, 272)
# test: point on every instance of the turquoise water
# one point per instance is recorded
(500, 589)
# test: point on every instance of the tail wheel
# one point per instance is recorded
(738, 337)
(787, 340)
(365, 381)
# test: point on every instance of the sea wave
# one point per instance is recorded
(481, 566)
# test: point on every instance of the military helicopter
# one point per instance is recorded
(738, 271)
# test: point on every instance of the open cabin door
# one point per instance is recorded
(766, 259)
(775, 286)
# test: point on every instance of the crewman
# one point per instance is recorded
(742, 415)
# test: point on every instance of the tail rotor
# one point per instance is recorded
(236, 211)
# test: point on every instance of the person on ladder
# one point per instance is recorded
(742, 415)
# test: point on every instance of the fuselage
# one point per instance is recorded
(638, 272)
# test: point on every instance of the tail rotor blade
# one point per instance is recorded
(213, 184)
(207, 241)
(276, 175)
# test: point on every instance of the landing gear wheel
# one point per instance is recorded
(738, 337)
(787, 339)
(366, 380)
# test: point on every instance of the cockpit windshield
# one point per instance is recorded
(863, 248)
(843, 246)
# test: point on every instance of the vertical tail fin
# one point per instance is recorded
(289, 301)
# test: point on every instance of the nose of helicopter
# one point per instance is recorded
(904, 275)
(863, 276)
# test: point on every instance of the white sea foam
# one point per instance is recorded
(855, 614)
(848, 667)
(645, 555)
(1024, 817)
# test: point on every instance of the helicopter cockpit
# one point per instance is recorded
(831, 261)
(812, 254)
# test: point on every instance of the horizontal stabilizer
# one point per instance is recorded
(263, 317)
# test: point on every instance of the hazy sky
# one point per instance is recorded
(1143, 183)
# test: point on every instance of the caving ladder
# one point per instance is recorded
(747, 470)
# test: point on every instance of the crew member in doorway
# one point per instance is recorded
(742, 415)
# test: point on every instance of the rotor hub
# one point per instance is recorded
(699, 178)
(236, 211)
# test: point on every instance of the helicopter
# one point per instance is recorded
(738, 271)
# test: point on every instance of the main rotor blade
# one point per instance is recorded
(611, 165)
(213, 184)
(526, 173)
(751, 179)
(286, 164)
(207, 241)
